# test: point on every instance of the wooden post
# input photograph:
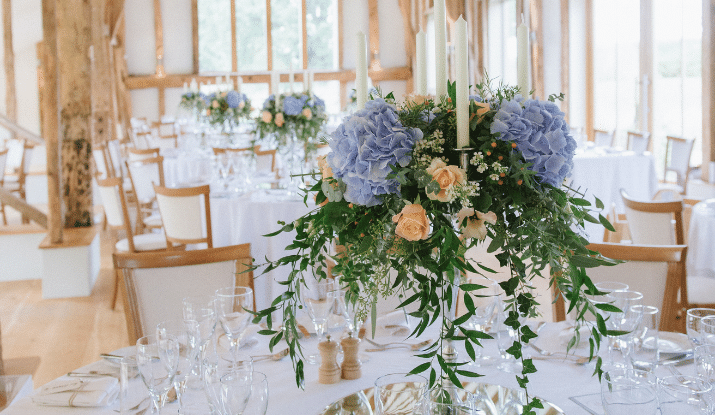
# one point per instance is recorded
(10, 98)
(195, 34)
(537, 49)
(74, 37)
(374, 46)
(708, 80)
(565, 74)
(50, 122)
(100, 76)
(159, 34)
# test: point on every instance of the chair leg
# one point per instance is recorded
(4, 217)
(116, 290)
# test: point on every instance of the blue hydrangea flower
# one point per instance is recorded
(268, 101)
(208, 98)
(364, 147)
(476, 98)
(292, 105)
(233, 99)
(541, 135)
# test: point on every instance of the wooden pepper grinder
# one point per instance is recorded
(351, 366)
(329, 371)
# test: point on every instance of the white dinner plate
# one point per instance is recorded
(669, 342)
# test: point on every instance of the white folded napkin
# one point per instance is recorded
(396, 323)
(100, 391)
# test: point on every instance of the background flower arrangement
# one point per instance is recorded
(393, 194)
(227, 107)
(193, 100)
(299, 115)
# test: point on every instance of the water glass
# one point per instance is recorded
(505, 339)
(127, 367)
(319, 303)
(629, 392)
(485, 305)
(450, 401)
(213, 369)
(186, 335)
(695, 315)
(157, 361)
(233, 305)
(707, 330)
(684, 395)
(626, 320)
(705, 362)
(244, 394)
(645, 338)
(399, 393)
(611, 286)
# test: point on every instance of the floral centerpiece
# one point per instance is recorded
(227, 108)
(394, 194)
(297, 115)
(193, 101)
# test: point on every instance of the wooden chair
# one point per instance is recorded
(602, 138)
(17, 185)
(654, 223)
(638, 141)
(3, 164)
(101, 163)
(166, 134)
(620, 224)
(224, 150)
(142, 139)
(115, 209)
(185, 214)
(143, 175)
(134, 154)
(266, 160)
(657, 271)
(677, 160)
(155, 283)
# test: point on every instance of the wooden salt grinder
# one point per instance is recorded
(351, 366)
(329, 371)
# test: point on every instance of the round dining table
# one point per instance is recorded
(701, 239)
(570, 387)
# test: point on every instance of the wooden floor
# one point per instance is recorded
(48, 338)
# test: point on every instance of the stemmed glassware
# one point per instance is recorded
(707, 330)
(693, 326)
(244, 395)
(506, 336)
(626, 320)
(319, 303)
(157, 361)
(214, 368)
(232, 306)
(188, 349)
(200, 311)
(484, 305)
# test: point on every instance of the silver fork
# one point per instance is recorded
(579, 360)
(395, 345)
(275, 356)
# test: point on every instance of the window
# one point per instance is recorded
(501, 35)
(288, 42)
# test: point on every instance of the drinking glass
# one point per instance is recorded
(202, 311)
(448, 401)
(611, 286)
(684, 395)
(484, 303)
(705, 362)
(319, 303)
(629, 392)
(186, 335)
(399, 393)
(214, 368)
(707, 330)
(244, 395)
(626, 320)
(157, 361)
(695, 315)
(233, 305)
(645, 338)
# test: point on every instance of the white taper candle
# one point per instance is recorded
(440, 47)
(275, 81)
(361, 71)
(522, 58)
(306, 82)
(462, 86)
(421, 64)
(291, 78)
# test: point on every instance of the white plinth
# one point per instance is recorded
(71, 270)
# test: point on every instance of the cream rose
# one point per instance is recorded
(307, 113)
(446, 176)
(475, 227)
(412, 223)
(266, 117)
(279, 119)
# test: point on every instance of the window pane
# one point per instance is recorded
(329, 91)
(616, 66)
(251, 39)
(322, 27)
(286, 34)
(257, 93)
(214, 35)
(502, 41)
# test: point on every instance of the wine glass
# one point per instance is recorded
(214, 368)
(485, 302)
(629, 392)
(319, 303)
(506, 336)
(244, 395)
(611, 286)
(695, 315)
(707, 330)
(233, 305)
(157, 361)
(200, 311)
(186, 336)
(627, 320)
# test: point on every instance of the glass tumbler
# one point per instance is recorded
(684, 395)
(692, 323)
(645, 338)
(629, 392)
(705, 362)
(399, 393)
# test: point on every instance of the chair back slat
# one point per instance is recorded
(3, 162)
(653, 222)
(144, 174)
(111, 192)
(677, 158)
(603, 138)
(185, 214)
(638, 142)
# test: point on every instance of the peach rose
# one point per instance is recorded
(324, 167)
(242, 104)
(266, 117)
(475, 227)
(418, 99)
(482, 109)
(214, 104)
(446, 176)
(307, 113)
(412, 223)
(279, 119)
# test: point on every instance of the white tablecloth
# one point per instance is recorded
(237, 220)
(701, 239)
(602, 174)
